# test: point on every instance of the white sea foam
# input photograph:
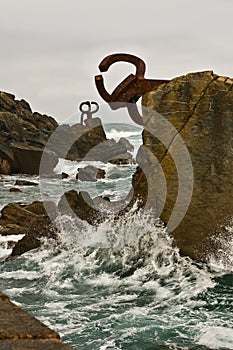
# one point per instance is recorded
(121, 280)
(115, 134)
(216, 338)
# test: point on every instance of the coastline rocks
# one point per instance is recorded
(20, 330)
(109, 151)
(5, 168)
(26, 138)
(126, 144)
(23, 135)
(200, 107)
(25, 183)
(31, 220)
(29, 159)
(74, 142)
(14, 189)
(90, 173)
(40, 229)
(80, 205)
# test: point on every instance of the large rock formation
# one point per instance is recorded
(24, 135)
(90, 173)
(37, 220)
(20, 330)
(200, 107)
(76, 141)
(31, 220)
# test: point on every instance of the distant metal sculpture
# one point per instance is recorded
(130, 89)
(88, 112)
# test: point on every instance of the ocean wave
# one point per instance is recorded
(116, 134)
(125, 283)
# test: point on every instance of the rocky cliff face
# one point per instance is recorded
(200, 108)
(24, 135)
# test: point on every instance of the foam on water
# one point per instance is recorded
(216, 338)
(122, 285)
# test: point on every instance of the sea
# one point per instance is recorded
(120, 285)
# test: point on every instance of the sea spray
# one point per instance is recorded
(121, 285)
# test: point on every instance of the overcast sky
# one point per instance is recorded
(50, 49)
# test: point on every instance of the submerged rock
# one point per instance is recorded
(25, 183)
(14, 189)
(200, 107)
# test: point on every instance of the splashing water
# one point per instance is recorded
(123, 285)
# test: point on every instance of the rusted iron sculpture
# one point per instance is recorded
(130, 89)
(88, 112)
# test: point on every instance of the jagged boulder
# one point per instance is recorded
(80, 205)
(90, 173)
(109, 151)
(23, 135)
(33, 220)
(200, 107)
(40, 229)
(126, 144)
(76, 141)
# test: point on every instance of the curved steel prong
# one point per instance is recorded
(130, 89)
(85, 103)
(123, 57)
(99, 82)
(97, 107)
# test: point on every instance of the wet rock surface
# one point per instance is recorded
(23, 135)
(26, 138)
(90, 173)
(200, 107)
(80, 205)
(25, 183)
(31, 220)
(19, 330)
(37, 220)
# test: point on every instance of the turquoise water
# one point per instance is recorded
(122, 285)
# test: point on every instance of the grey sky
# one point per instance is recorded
(50, 49)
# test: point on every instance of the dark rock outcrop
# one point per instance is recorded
(14, 189)
(36, 220)
(23, 135)
(20, 330)
(200, 107)
(27, 137)
(76, 141)
(126, 144)
(40, 229)
(80, 205)
(25, 183)
(90, 173)
(108, 151)
(32, 220)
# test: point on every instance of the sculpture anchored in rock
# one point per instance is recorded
(199, 106)
(127, 93)
(88, 112)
